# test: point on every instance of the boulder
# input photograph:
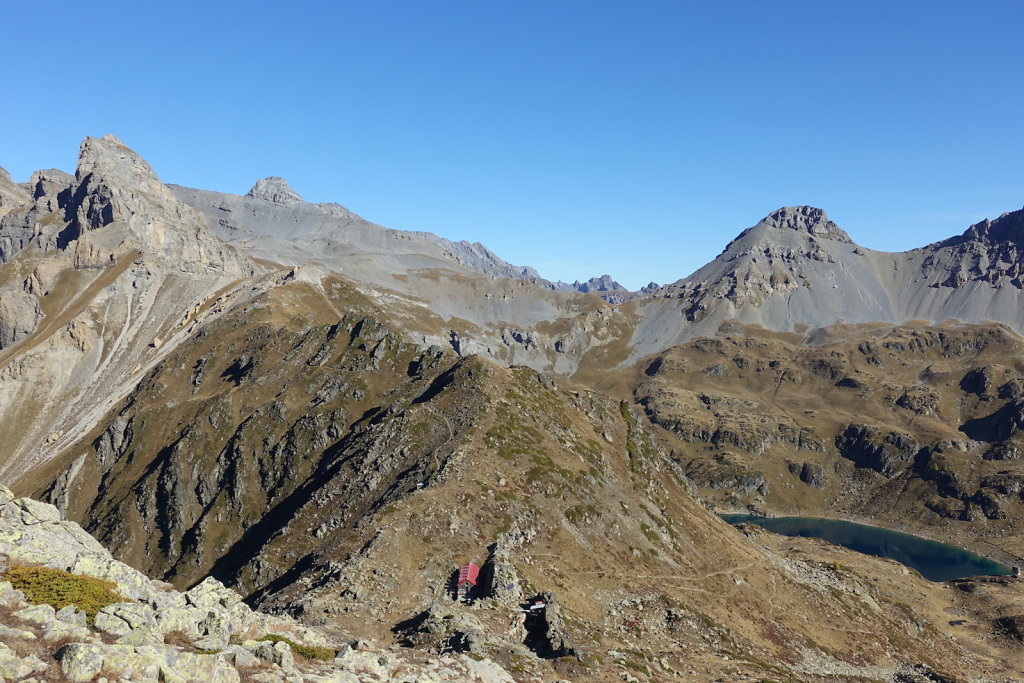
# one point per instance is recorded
(214, 631)
(34, 512)
(131, 583)
(13, 667)
(59, 630)
(274, 653)
(81, 662)
(70, 614)
(183, 619)
(7, 634)
(39, 614)
(813, 474)
(444, 626)
(9, 597)
(122, 618)
(239, 656)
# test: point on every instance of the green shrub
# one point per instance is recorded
(320, 654)
(45, 586)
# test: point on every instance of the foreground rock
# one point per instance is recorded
(159, 634)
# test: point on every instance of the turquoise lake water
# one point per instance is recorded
(936, 561)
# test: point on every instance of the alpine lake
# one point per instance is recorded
(935, 561)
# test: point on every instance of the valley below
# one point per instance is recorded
(329, 418)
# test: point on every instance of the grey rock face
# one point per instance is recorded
(51, 188)
(1008, 228)
(40, 614)
(71, 615)
(275, 223)
(115, 185)
(274, 189)
(19, 316)
(124, 617)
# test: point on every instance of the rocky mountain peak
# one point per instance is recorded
(807, 219)
(274, 189)
(113, 183)
(110, 158)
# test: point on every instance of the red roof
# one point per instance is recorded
(468, 573)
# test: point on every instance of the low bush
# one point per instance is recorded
(45, 586)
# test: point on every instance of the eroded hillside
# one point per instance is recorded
(332, 471)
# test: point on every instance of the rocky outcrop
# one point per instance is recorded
(12, 195)
(1012, 626)
(808, 219)
(1001, 425)
(274, 189)
(19, 316)
(724, 421)
(445, 627)
(158, 634)
(810, 473)
(548, 636)
(723, 472)
(885, 452)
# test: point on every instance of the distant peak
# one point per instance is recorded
(274, 189)
(605, 283)
(807, 219)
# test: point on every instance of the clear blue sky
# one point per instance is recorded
(581, 137)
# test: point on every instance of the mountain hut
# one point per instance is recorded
(469, 573)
